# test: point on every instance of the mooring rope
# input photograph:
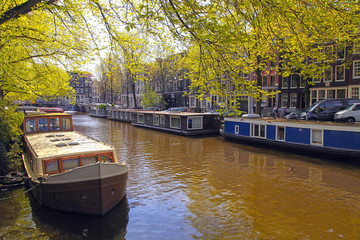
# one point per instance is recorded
(1, 199)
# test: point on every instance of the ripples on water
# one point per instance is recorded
(204, 188)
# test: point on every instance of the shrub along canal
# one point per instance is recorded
(202, 188)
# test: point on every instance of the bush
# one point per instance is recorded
(10, 138)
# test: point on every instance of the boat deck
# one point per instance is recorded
(51, 144)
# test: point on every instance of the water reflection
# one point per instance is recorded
(63, 225)
(207, 188)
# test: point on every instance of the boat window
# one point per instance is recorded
(236, 129)
(88, 160)
(105, 158)
(54, 124)
(258, 130)
(30, 125)
(65, 123)
(316, 136)
(162, 120)
(140, 118)
(70, 163)
(195, 123)
(52, 167)
(175, 122)
(43, 124)
(280, 133)
(156, 120)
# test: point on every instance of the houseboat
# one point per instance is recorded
(182, 123)
(123, 115)
(70, 171)
(99, 111)
(325, 140)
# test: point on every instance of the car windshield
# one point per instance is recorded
(349, 107)
(312, 107)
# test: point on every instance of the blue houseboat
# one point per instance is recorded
(325, 140)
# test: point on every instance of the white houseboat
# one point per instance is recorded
(70, 171)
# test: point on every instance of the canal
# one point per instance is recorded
(201, 188)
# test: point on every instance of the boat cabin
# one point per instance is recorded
(53, 147)
(46, 122)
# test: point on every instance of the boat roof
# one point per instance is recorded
(44, 114)
(166, 112)
(66, 143)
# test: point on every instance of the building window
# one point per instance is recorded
(328, 74)
(329, 52)
(285, 82)
(341, 93)
(356, 69)
(321, 95)
(316, 79)
(264, 80)
(258, 130)
(331, 94)
(280, 133)
(340, 52)
(293, 83)
(162, 120)
(316, 137)
(355, 92)
(356, 47)
(156, 121)
(175, 122)
(236, 129)
(302, 82)
(284, 100)
(141, 118)
(192, 101)
(272, 80)
(293, 99)
(313, 96)
(194, 123)
(340, 73)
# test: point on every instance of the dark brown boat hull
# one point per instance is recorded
(94, 197)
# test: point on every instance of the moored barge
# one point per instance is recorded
(323, 140)
(70, 171)
(181, 123)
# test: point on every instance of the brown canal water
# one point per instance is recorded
(202, 188)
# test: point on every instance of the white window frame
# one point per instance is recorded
(141, 118)
(156, 120)
(253, 130)
(201, 121)
(162, 120)
(277, 133)
(325, 79)
(312, 142)
(293, 80)
(355, 90)
(356, 47)
(192, 101)
(344, 52)
(237, 129)
(284, 96)
(336, 75)
(171, 122)
(357, 62)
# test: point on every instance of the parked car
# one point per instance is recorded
(251, 115)
(350, 114)
(325, 110)
(294, 113)
(176, 109)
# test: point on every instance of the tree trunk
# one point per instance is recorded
(259, 84)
